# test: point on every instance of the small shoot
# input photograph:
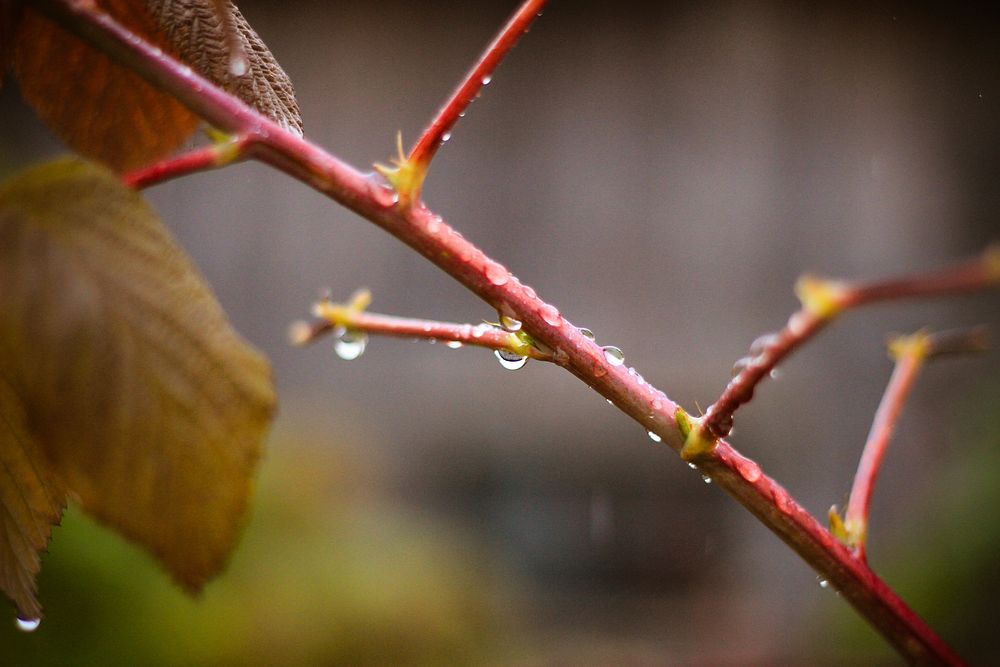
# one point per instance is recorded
(406, 175)
(820, 297)
(696, 444)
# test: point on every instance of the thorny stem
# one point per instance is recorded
(910, 354)
(329, 316)
(824, 300)
(203, 158)
(427, 145)
(651, 408)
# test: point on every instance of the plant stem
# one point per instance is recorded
(829, 299)
(428, 235)
(427, 145)
(476, 335)
(204, 158)
(910, 353)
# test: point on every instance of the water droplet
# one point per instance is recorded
(551, 315)
(27, 624)
(509, 323)
(657, 404)
(238, 65)
(480, 329)
(445, 137)
(454, 344)
(692, 466)
(587, 333)
(530, 291)
(775, 374)
(350, 344)
(434, 225)
(654, 437)
(510, 360)
(614, 355)
(497, 274)
(823, 583)
(748, 469)
(487, 79)
(461, 114)
(706, 479)
(741, 365)
(760, 343)
(395, 197)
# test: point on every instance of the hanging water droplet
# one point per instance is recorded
(775, 374)
(614, 355)
(497, 275)
(461, 114)
(692, 466)
(706, 479)
(487, 79)
(551, 315)
(445, 137)
(27, 624)
(350, 345)
(654, 437)
(823, 583)
(454, 344)
(509, 323)
(510, 360)
(587, 333)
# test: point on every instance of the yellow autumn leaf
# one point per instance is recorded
(148, 406)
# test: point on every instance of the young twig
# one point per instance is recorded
(822, 301)
(352, 317)
(428, 235)
(910, 353)
(222, 153)
(480, 75)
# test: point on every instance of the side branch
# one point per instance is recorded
(224, 152)
(331, 317)
(427, 234)
(822, 301)
(910, 353)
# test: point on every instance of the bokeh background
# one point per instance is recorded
(662, 172)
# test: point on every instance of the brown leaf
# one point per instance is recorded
(150, 407)
(9, 14)
(98, 107)
(213, 42)
(31, 502)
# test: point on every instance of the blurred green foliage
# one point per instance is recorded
(328, 573)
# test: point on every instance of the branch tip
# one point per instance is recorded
(821, 297)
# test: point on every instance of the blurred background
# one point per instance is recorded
(663, 173)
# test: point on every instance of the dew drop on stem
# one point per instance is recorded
(487, 79)
(654, 437)
(706, 479)
(509, 323)
(587, 333)
(510, 360)
(614, 355)
(551, 315)
(453, 344)
(497, 275)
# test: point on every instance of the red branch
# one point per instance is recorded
(204, 158)
(435, 134)
(910, 352)
(828, 299)
(477, 335)
(427, 234)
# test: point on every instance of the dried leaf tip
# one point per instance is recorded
(406, 175)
